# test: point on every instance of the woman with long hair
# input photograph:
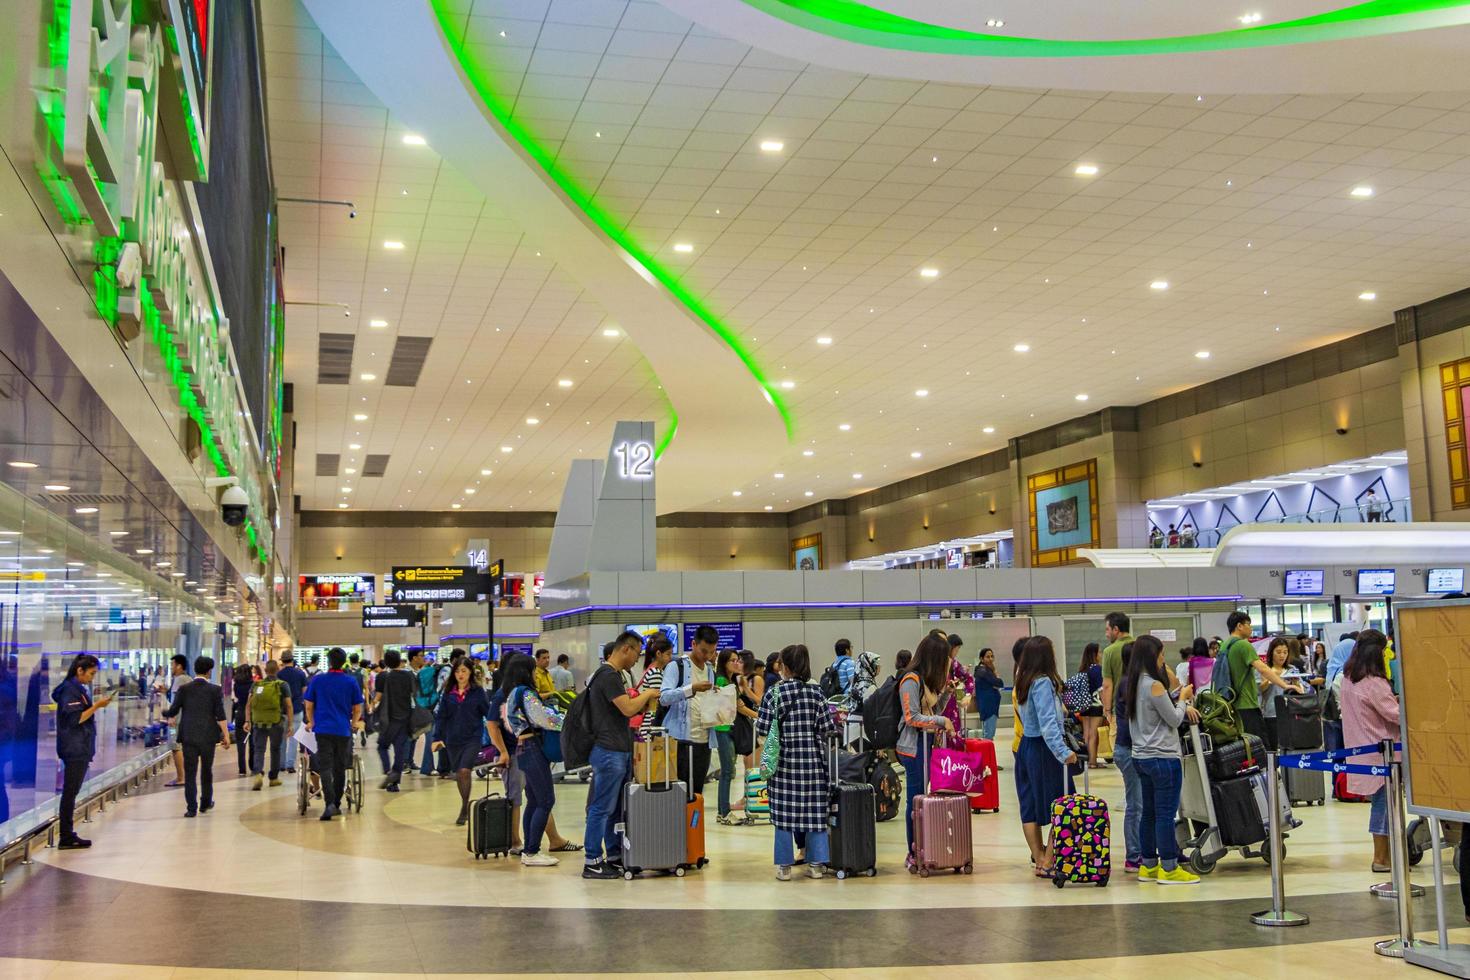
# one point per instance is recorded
(529, 718)
(1040, 774)
(1370, 714)
(728, 670)
(461, 723)
(1092, 715)
(800, 785)
(921, 694)
(1278, 658)
(76, 740)
(656, 656)
(1154, 718)
(243, 679)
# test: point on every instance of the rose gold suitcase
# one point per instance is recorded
(942, 839)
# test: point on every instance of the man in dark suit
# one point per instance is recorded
(202, 727)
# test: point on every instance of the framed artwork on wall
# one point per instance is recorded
(1063, 513)
(1454, 379)
(806, 553)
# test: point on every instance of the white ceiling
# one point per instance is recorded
(1241, 203)
(1089, 20)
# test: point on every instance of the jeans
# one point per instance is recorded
(725, 741)
(988, 725)
(394, 735)
(426, 767)
(74, 774)
(1332, 736)
(916, 772)
(816, 848)
(540, 793)
(289, 751)
(1159, 782)
(604, 807)
(1378, 812)
(333, 756)
(198, 766)
(260, 737)
(1132, 801)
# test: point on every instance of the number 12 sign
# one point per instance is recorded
(635, 460)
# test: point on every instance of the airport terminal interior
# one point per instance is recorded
(751, 488)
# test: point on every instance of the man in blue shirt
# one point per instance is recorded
(691, 674)
(846, 666)
(295, 680)
(333, 704)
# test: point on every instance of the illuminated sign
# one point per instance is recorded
(732, 635)
(327, 593)
(437, 583)
(635, 460)
(390, 617)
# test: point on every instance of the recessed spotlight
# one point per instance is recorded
(988, 429)
(809, 493)
(354, 446)
(683, 247)
(779, 476)
(824, 341)
(612, 332)
(414, 139)
(470, 491)
(350, 471)
(1203, 355)
(486, 472)
(857, 476)
(915, 455)
(564, 383)
(346, 489)
(162, 564)
(1021, 348)
(1086, 170)
(844, 427)
(393, 246)
(85, 510)
(1082, 397)
(772, 146)
(922, 393)
(533, 421)
(367, 377)
(507, 449)
(377, 324)
(118, 534)
(143, 551)
(1159, 284)
(21, 464)
(769, 507)
(1251, 18)
(341, 506)
(928, 272)
(995, 22)
(736, 493)
(1367, 296)
(788, 385)
(454, 506)
(1362, 190)
(808, 452)
(57, 487)
(360, 417)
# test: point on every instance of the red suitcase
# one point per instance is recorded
(1340, 791)
(942, 839)
(987, 800)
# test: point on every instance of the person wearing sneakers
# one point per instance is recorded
(1154, 717)
(267, 720)
(531, 721)
(797, 712)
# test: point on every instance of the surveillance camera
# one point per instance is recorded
(352, 213)
(232, 506)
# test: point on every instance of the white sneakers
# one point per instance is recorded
(815, 871)
(538, 861)
(783, 873)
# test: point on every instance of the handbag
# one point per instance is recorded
(956, 771)
(771, 751)
(420, 720)
(714, 708)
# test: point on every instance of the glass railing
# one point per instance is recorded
(1393, 511)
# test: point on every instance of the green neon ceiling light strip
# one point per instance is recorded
(668, 435)
(860, 23)
(478, 77)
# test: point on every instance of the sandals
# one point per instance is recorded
(1046, 872)
(567, 847)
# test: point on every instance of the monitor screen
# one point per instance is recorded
(1304, 581)
(1442, 580)
(1375, 581)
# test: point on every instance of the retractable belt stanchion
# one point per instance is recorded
(1277, 914)
(1403, 889)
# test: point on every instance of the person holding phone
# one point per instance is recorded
(76, 740)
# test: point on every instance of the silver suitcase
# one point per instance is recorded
(1305, 787)
(653, 826)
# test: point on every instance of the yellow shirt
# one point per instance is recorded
(545, 686)
(1020, 729)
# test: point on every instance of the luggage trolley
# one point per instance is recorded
(1197, 830)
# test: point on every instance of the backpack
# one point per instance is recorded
(1217, 717)
(662, 711)
(831, 683)
(1221, 681)
(881, 715)
(577, 736)
(426, 686)
(1077, 693)
(265, 703)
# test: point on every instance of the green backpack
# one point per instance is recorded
(265, 703)
(1217, 718)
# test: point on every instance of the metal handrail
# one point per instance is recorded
(1395, 510)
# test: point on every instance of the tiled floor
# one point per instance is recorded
(393, 891)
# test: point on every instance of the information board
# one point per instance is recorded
(732, 635)
(1375, 581)
(435, 583)
(391, 617)
(1432, 642)
(1304, 581)
(334, 591)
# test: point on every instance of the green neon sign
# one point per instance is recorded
(859, 23)
(615, 229)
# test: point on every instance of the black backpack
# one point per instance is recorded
(830, 683)
(577, 736)
(881, 715)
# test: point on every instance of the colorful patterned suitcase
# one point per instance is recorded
(757, 797)
(1081, 837)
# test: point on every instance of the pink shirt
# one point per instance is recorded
(1370, 714)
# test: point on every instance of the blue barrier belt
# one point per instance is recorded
(1332, 761)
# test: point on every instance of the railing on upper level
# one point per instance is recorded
(1394, 511)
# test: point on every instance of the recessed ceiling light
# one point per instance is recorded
(454, 506)
(788, 385)
(683, 247)
(76, 564)
(844, 427)
(769, 507)
(367, 377)
(354, 446)
(809, 493)
(1086, 170)
(414, 139)
(346, 489)
(1082, 397)
(928, 272)
(1251, 18)
(922, 393)
(779, 476)
(177, 574)
(144, 551)
(1021, 348)
(915, 455)
(341, 506)
(857, 476)
(1362, 190)
(1203, 355)
(612, 332)
(1159, 284)
(360, 417)
(1367, 296)
(564, 383)
(486, 472)
(162, 564)
(350, 471)
(988, 429)
(470, 491)
(21, 464)
(86, 510)
(377, 324)
(507, 449)
(808, 452)
(736, 493)
(57, 487)
(772, 146)
(118, 534)
(825, 341)
(393, 246)
(995, 22)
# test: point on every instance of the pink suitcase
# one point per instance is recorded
(942, 839)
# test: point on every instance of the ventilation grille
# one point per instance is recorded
(407, 361)
(334, 358)
(327, 463)
(88, 499)
(376, 464)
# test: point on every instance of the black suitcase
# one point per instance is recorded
(1298, 722)
(489, 827)
(1237, 812)
(853, 818)
(1226, 760)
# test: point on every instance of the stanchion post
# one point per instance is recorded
(1277, 914)
(1403, 888)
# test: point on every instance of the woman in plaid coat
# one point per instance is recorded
(800, 787)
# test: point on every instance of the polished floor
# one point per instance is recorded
(252, 886)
